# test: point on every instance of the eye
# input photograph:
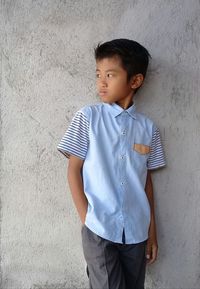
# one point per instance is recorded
(109, 75)
(98, 75)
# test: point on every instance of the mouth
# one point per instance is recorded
(103, 92)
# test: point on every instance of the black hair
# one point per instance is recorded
(134, 57)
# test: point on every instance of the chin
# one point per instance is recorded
(105, 100)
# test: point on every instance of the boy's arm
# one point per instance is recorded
(76, 186)
(152, 244)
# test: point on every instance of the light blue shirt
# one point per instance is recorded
(118, 147)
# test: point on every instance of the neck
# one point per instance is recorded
(125, 104)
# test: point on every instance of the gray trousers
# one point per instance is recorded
(113, 265)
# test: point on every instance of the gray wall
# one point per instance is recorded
(47, 73)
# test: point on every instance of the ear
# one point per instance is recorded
(137, 81)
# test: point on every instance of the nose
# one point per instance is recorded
(103, 82)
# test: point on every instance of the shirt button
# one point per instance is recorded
(123, 132)
(122, 183)
(122, 157)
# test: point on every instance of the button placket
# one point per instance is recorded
(123, 151)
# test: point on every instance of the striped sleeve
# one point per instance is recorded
(76, 139)
(156, 158)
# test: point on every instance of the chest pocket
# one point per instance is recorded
(141, 148)
(140, 154)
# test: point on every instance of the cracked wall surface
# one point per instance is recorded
(47, 73)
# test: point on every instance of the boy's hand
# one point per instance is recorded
(151, 250)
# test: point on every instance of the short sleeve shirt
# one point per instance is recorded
(118, 147)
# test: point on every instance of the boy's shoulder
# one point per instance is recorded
(143, 117)
(87, 110)
(145, 120)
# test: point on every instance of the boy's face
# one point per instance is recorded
(112, 84)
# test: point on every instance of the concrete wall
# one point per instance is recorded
(47, 73)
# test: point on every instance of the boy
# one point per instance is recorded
(111, 150)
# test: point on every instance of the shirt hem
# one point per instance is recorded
(68, 154)
(157, 167)
(113, 240)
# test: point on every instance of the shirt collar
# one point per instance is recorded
(117, 110)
